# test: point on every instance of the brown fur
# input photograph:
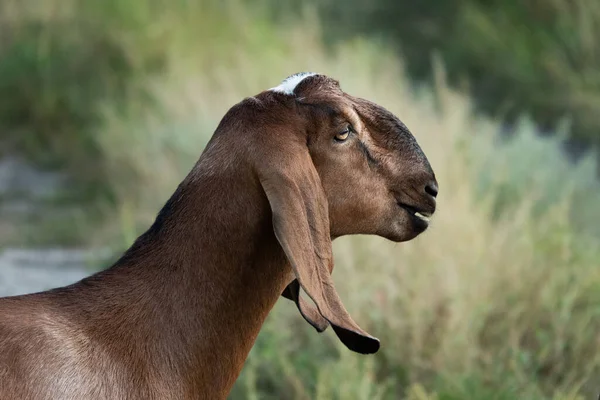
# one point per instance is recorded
(176, 316)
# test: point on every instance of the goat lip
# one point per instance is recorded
(418, 214)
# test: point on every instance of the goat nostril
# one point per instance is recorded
(431, 189)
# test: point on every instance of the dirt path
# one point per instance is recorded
(23, 269)
(29, 270)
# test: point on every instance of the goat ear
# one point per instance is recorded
(307, 310)
(301, 225)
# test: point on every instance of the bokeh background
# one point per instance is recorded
(106, 104)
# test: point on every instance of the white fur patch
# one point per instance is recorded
(289, 84)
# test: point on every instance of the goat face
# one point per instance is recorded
(375, 176)
(331, 164)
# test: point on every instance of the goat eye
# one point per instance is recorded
(340, 137)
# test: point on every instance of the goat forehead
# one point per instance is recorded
(388, 129)
(289, 84)
(382, 119)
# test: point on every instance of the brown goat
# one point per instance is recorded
(175, 317)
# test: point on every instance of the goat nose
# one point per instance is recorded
(432, 189)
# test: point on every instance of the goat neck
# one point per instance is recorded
(185, 303)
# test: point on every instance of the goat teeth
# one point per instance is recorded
(421, 216)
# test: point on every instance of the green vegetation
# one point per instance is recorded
(500, 299)
(540, 58)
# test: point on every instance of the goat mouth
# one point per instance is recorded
(417, 214)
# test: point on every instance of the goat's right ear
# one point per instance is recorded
(301, 225)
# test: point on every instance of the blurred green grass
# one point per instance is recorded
(534, 57)
(498, 300)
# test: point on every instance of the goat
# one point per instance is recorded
(285, 173)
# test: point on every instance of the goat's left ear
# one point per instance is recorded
(307, 310)
(301, 225)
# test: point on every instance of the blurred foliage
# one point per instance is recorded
(537, 57)
(534, 57)
(53, 76)
(63, 61)
(498, 300)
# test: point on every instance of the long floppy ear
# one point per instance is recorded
(307, 310)
(301, 225)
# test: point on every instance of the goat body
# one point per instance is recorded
(176, 316)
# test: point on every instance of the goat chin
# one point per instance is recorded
(176, 316)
